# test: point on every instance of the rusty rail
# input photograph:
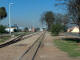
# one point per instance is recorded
(17, 39)
(31, 52)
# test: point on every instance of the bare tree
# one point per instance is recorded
(74, 10)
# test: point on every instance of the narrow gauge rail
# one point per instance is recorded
(17, 39)
(31, 52)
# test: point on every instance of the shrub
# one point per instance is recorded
(2, 29)
(56, 29)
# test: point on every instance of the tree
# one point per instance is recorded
(3, 13)
(56, 29)
(65, 19)
(74, 10)
(48, 17)
(37, 29)
(26, 29)
(2, 29)
(62, 19)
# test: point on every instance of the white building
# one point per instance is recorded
(30, 29)
(41, 29)
(10, 29)
(74, 29)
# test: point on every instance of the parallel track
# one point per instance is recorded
(31, 52)
(17, 39)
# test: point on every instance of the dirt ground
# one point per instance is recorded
(14, 51)
(48, 51)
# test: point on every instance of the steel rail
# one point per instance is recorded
(38, 41)
(17, 39)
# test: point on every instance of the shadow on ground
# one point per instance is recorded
(77, 40)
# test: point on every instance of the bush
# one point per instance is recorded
(2, 29)
(15, 30)
(56, 29)
(26, 29)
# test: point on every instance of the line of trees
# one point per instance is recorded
(56, 23)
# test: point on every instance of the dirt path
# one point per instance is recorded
(14, 51)
(48, 51)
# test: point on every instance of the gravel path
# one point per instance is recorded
(48, 51)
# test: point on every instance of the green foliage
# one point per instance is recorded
(56, 29)
(70, 47)
(3, 39)
(37, 29)
(15, 30)
(26, 29)
(2, 29)
(48, 17)
(3, 13)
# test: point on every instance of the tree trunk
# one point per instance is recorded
(49, 27)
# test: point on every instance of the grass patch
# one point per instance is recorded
(20, 33)
(3, 39)
(70, 47)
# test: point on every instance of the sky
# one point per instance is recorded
(28, 12)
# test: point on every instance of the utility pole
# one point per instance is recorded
(10, 17)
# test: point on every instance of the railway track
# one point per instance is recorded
(31, 52)
(17, 39)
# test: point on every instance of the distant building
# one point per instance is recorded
(15, 26)
(41, 29)
(74, 29)
(29, 29)
(33, 29)
(10, 29)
